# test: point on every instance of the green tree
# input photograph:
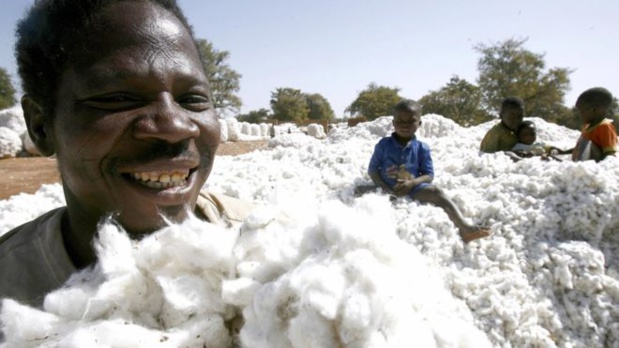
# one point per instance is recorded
(508, 69)
(374, 101)
(7, 91)
(459, 100)
(289, 105)
(255, 116)
(223, 79)
(319, 107)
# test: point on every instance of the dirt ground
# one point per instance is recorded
(27, 174)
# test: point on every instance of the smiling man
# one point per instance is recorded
(116, 90)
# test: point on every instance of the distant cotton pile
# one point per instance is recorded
(318, 267)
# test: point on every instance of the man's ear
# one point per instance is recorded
(39, 126)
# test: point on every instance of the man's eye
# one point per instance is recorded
(112, 102)
(195, 102)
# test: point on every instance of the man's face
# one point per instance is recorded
(135, 131)
(406, 123)
(512, 117)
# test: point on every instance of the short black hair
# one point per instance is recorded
(51, 33)
(512, 102)
(596, 96)
(408, 105)
(526, 125)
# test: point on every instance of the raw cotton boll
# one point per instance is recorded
(295, 140)
(29, 145)
(340, 135)
(164, 290)
(19, 208)
(381, 127)
(23, 325)
(245, 128)
(316, 131)
(10, 143)
(264, 129)
(353, 283)
(255, 130)
(223, 130)
(13, 118)
(234, 129)
(435, 126)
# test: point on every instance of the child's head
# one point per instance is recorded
(512, 112)
(527, 133)
(406, 118)
(593, 104)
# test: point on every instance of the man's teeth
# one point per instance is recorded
(162, 179)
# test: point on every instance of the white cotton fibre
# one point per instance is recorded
(353, 283)
(162, 290)
(547, 277)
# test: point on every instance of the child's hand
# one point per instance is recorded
(402, 188)
(392, 172)
(403, 174)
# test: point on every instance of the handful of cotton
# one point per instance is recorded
(164, 290)
(340, 277)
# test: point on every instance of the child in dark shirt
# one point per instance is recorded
(502, 137)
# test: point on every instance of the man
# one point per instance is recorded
(117, 92)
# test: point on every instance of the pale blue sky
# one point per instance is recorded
(336, 48)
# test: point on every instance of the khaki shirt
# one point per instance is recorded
(498, 138)
(34, 261)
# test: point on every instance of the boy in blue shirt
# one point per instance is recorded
(402, 165)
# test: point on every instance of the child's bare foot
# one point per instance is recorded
(470, 233)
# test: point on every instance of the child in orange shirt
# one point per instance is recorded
(598, 139)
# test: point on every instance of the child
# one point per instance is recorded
(401, 165)
(502, 137)
(598, 139)
(527, 145)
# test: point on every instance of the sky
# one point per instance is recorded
(337, 48)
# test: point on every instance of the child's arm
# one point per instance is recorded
(559, 151)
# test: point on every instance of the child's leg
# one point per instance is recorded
(433, 195)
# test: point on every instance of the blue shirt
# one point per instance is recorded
(388, 152)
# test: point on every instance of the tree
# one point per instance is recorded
(7, 91)
(255, 116)
(374, 101)
(508, 69)
(459, 100)
(223, 79)
(319, 107)
(289, 105)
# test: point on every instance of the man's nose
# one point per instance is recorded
(166, 120)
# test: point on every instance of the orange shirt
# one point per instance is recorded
(603, 138)
(603, 135)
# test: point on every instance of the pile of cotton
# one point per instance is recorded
(162, 291)
(13, 134)
(223, 130)
(13, 119)
(346, 277)
(10, 143)
(316, 131)
(320, 267)
(234, 129)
